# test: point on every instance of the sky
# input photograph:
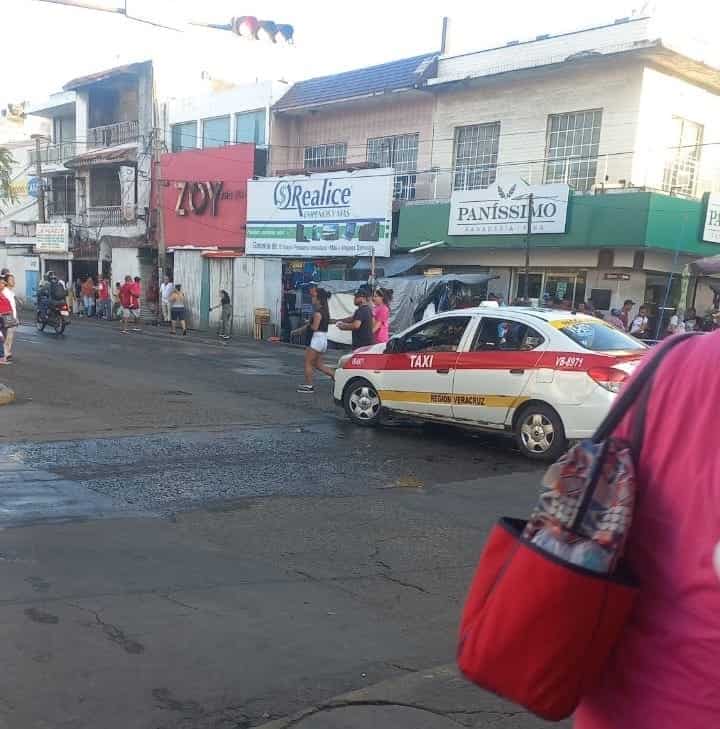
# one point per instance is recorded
(45, 45)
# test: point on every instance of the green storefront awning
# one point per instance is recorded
(611, 220)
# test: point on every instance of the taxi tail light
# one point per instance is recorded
(609, 378)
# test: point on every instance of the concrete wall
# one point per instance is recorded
(257, 283)
(250, 97)
(662, 98)
(125, 262)
(354, 123)
(522, 106)
(537, 52)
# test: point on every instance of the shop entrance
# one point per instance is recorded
(565, 287)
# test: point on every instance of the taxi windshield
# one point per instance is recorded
(597, 336)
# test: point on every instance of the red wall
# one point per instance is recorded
(217, 219)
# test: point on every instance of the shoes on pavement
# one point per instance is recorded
(184, 332)
(172, 331)
(306, 388)
(124, 331)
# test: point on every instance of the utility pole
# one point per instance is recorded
(157, 142)
(38, 171)
(526, 292)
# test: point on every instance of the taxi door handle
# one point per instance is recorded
(517, 372)
(443, 371)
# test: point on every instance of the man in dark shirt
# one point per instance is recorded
(360, 323)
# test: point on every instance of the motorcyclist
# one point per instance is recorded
(50, 291)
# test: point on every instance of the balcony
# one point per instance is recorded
(111, 135)
(59, 211)
(106, 216)
(54, 154)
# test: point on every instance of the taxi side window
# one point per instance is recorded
(440, 335)
(505, 335)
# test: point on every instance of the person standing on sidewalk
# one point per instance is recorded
(5, 311)
(361, 322)
(381, 315)
(177, 310)
(317, 328)
(88, 296)
(135, 295)
(9, 294)
(664, 672)
(128, 302)
(225, 314)
(166, 290)
(103, 299)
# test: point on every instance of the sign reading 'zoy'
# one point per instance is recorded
(503, 208)
(321, 215)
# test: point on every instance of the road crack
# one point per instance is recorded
(112, 632)
(397, 581)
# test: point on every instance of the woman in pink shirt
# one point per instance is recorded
(665, 671)
(381, 315)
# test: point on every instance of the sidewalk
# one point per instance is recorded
(438, 698)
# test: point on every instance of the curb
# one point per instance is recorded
(441, 692)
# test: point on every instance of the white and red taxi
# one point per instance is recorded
(545, 376)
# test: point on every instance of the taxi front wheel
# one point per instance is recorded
(539, 433)
(362, 403)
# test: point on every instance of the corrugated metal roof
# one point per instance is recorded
(131, 68)
(393, 76)
(120, 153)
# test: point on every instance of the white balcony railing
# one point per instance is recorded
(54, 154)
(113, 134)
(105, 216)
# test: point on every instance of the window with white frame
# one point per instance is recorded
(476, 156)
(216, 132)
(399, 152)
(184, 136)
(571, 155)
(324, 156)
(683, 158)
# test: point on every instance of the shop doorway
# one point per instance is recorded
(548, 286)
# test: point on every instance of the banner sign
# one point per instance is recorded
(52, 237)
(711, 233)
(322, 215)
(503, 208)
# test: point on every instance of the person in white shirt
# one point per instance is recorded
(166, 289)
(639, 326)
(676, 325)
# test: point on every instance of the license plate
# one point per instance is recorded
(64, 313)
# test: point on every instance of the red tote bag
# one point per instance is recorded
(536, 630)
(539, 630)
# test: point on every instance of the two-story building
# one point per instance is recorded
(98, 166)
(615, 112)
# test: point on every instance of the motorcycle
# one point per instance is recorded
(56, 315)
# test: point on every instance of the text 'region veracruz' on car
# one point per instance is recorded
(545, 376)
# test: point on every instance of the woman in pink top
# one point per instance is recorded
(665, 672)
(381, 314)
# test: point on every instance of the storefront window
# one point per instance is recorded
(565, 287)
(534, 285)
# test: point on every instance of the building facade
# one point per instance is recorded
(615, 112)
(97, 164)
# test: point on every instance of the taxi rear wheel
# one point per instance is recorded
(362, 403)
(539, 433)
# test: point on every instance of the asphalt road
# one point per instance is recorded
(188, 542)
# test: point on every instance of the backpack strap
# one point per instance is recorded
(632, 393)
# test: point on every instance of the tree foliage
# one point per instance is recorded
(6, 165)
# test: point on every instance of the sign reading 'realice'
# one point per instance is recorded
(321, 215)
(503, 209)
(711, 233)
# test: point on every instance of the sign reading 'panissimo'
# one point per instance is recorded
(503, 209)
(711, 233)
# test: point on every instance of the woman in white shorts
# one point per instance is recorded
(316, 330)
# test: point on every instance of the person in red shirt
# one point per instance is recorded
(5, 309)
(103, 299)
(130, 300)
